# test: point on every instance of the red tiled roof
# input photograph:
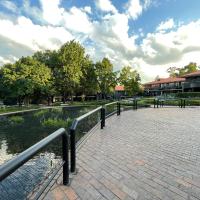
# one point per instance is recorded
(166, 80)
(119, 88)
(197, 73)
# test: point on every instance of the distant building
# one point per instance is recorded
(164, 86)
(192, 82)
(119, 91)
(187, 83)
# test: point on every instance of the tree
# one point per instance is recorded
(23, 78)
(106, 78)
(130, 79)
(88, 82)
(173, 71)
(68, 75)
(178, 72)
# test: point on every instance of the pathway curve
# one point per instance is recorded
(144, 154)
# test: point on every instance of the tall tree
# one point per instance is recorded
(106, 78)
(71, 57)
(88, 82)
(130, 79)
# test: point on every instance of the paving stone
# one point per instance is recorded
(148, 154)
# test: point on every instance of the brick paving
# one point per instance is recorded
(145, 154)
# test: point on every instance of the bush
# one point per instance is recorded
(16, 119)
(188, 94)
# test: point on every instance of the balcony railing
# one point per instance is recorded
(195, 84)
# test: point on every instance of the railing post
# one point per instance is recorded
(118, 108)
(65, 147)
(184, 103)
(154, 103)
(103, 113)
(157, 103)
(73, 150)
(136, 104)
(181, 103)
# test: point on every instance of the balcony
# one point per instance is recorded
(188, 85)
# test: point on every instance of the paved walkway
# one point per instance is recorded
(144, 154)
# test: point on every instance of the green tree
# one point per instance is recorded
(88, 81)
(173, 72)
(23, 78)
(106, 78)
(130, 79)
(68, 75)
(178, 72)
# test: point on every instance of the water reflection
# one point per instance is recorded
(20, 131)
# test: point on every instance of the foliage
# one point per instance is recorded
(65, 72)
(188, 94)
(40, 113)
(56, 123)
(71, 58)
(106, 78)
(23, 78)
(178, 72)
(130, 79)
(16, 119)
(88, 81)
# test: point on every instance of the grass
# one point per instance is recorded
(7, 109)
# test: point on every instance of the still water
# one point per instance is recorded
(20, 131)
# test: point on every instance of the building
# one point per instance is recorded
(192, 82)
(187, 83)
(119, 91)
(164, 86)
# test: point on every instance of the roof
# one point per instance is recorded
(166, 80)
(119, 88)
(197, 73)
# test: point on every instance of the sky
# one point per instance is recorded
(148, 35)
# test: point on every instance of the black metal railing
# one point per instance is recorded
(157, 103)
(11, 166)
(105, 112)
(14, 164)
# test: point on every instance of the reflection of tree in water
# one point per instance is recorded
(20, 136)
(85, 125)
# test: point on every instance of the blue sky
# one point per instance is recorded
(148, 35)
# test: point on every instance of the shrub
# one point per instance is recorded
(16, 119)
(188, 94)
(40, 113)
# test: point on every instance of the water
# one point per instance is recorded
(20, 131)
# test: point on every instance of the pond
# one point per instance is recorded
(20, 131)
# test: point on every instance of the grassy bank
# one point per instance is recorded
(7, 109)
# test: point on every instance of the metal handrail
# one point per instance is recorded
(160, 102)
(13, 164)
(75, 124)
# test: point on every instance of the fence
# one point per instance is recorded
(102, 112)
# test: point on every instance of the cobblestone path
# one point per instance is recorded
(144, 154)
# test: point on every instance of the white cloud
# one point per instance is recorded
(169, 24)
(77, 20)
(51, 11)
(106, 6)
(87, 9)
(134, 8)
(162, 48)
(9, 5)
(24, 36)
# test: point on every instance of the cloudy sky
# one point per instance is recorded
(149, 35)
